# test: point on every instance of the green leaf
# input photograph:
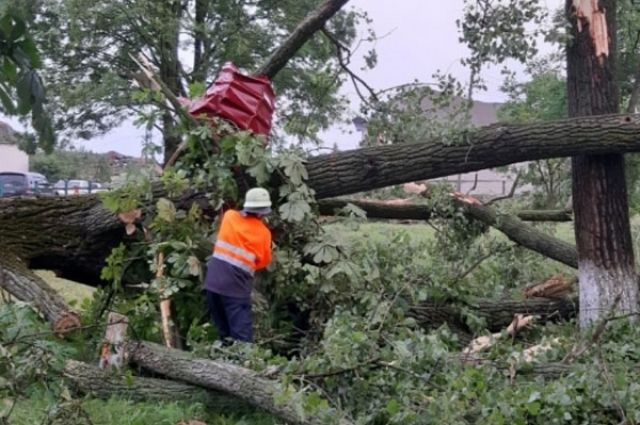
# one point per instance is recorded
(534, 408)
(294, 210)
(393, 407)
(197, 89)
(9, 70)
(166, 210)
(31, 51)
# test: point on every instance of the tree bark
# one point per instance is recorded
(239, 382)
(303, 32)
(169, 72)
(512, 226)
(498, 314)
(74, 235)
(421, 212)
(521, 233)
(88, 379)
(603, 236)
(24, 285)
(348, 172)
(545, 215)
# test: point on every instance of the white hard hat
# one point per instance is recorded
(257, 197)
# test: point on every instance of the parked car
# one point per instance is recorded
(24, 184)
(77, 187)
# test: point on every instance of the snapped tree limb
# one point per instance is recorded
(303, 32)
(513, 227)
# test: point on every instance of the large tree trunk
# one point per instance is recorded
(74, 235)
(169, 71)
(89, 379)
(348, 172)
(603, 236)
(498, 314)
(239, 382)
(406, 210)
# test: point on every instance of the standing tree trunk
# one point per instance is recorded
(605, 251)
(170, 72)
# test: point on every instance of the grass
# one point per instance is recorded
(121, 411)
(72, 292)
(117, 411)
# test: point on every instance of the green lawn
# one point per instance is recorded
(121, 411)
(118, 411)
(73, 292)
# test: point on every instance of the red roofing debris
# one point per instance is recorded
(246, 101)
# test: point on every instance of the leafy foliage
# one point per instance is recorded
(91, 75)
(543, 98)
(21, 89)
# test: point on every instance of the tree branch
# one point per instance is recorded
(303, 32)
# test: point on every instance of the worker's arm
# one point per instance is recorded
(264, 258)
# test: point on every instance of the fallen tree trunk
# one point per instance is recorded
(348, 172)
(545, 215)
(412, 211)
(88, 379)
(497, 313)
(74, 235)
(235, 381)
(239, 382)
(24, 285)
(515, 229)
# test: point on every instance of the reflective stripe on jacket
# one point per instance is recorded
(244, 241)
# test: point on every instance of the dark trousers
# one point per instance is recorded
(231, 315)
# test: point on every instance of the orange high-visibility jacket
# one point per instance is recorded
(244, 241)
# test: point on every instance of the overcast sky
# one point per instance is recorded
(420, 37)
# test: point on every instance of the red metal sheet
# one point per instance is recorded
(246, 101)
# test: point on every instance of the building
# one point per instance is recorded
(11, 157)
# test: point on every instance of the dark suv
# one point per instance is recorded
(24, 184)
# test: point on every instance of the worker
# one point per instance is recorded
(243, 246)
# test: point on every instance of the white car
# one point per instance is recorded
(77, 187)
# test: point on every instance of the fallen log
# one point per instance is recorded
(520, 232)
(88, 379)
(514, 228)
(237, 381)
(347, 172)
(496, 313)
(24, 285)
(413, 211)
(545, 215)
(74, 235)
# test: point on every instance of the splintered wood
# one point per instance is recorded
(482, 343)
(112, 353)
(589, 14)
(556, 286)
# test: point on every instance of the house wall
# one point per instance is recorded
(13, 159)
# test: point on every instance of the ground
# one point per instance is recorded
(124, 412)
